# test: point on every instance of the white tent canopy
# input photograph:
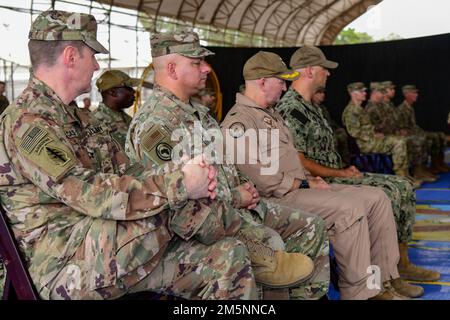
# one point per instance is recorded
(284, 22)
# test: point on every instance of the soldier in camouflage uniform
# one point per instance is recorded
(383, 118)
(117, 92)
(340, 135)
(4, 102)
(358, 125)
(170, 109)
(313, 138)
(436, 141)
(359, 219)
(90, 225)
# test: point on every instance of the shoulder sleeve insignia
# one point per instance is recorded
(46, 151)
(237, 129)
(299, 116)
(157, 144)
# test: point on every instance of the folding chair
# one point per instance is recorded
(18, 283)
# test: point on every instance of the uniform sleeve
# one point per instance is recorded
(354, 123)
(267, 176)
(43, 155)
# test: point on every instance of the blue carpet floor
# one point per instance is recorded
(431, 248)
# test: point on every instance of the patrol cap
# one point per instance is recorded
(377, 86)
(356, 86)
(115, 79)
(185, 43)
(388, 84)
(409, 87)
(309, 56)
(56, 25)
(267, 64)
(206, 92)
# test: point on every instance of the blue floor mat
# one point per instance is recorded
(432, 196)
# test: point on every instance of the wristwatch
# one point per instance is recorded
(304, 184)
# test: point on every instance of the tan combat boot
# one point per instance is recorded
(389, 293)
(412, 272)
(277, 269)
(406, 289)
(421, 174)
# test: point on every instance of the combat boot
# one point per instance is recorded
(389, 293)
(421, 174)
(410, 271)
(406, 289)
(277, 269)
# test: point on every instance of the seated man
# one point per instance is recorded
(340, 135)
(359, 219)
(383, 118)
(180, 72)
(90, 225)
(116, 88)
(358, 125)
(437, 142)
(313, 140)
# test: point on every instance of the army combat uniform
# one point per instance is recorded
(384, 118)
(358, 125)
(151, 144)
(116, 121)
(313, 137)
(436, 141)
(340, 136)
(90, 225)
(358, 219)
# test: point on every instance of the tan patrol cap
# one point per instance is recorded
(377, 86)
(409, 87)
(356, 86)
(267, 64)
(309, 56)
(185, 43)
(388, 84)
(115, 79)
(55, 25)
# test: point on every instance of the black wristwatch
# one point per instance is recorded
(304, 184)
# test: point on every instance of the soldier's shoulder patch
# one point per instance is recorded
(157, 144)
(40, 146)
(237, 129)
(299, 116)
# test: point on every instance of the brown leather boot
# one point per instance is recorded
(389, 293)
(406, 289)
(421, 174)
(410, 271)
(277, 269)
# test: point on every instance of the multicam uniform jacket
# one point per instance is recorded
(116, 122)
(63, 186)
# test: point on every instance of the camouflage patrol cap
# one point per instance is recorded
(388, 84)
(184, 42)
(356, 86)
(409, 87)
(377, 86)
(55, 25)
(206, 92)
(267, 64)
(115, 79)
(310, 56)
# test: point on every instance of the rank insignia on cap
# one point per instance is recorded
(237, 130)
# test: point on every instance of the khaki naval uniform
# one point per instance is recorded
(359, 219)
